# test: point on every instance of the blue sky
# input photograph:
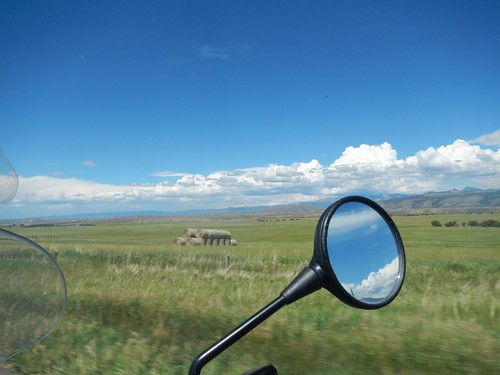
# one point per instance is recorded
(171, 105)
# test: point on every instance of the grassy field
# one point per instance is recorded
(154, 309)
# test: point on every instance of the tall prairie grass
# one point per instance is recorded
(154, 309)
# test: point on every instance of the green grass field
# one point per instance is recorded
(155, 313)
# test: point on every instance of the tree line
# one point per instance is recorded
(471, 223)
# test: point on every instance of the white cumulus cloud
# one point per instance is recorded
(358, 170)
(378, 156)
(491, 139)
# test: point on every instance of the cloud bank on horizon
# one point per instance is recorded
(365, 169)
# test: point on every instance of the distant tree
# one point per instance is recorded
(435, 223)
(473, 223)
(451, 224)
(490, 223)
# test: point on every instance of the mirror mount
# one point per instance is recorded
(309, 280)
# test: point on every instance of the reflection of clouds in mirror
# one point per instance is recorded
(359, 242)
(378, 285)
(353, 220)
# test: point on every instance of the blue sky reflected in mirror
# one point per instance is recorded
(363, 252)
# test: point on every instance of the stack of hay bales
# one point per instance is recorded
(206, 237)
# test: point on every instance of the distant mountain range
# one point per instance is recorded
(468, 199)
(473, 199)
(452, 199)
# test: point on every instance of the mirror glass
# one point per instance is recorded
(8, 179)
(32, 294)
(363, 252)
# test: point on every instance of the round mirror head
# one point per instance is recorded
(359, 248)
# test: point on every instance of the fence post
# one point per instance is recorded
(228, 262)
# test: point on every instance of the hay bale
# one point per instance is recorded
(213, 233)
(234, 243)
(180, 241)
(189, 233)
(195, 242)
(215, 242)
(227, 242)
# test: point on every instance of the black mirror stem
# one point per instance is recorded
(308, 281)
(225, 342)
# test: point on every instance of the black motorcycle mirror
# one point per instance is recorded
(358, 256)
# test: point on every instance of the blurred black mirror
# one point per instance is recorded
(361, 253)
(32, 294)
